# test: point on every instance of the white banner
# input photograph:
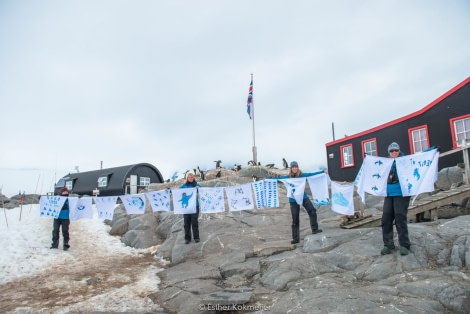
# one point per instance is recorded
(418, 172)
(105, 206)
(272, 193)
(211, 200)
(83, 209)
(159, 200)
(260, 194)
(295, 188)
(319, 187)
(184, 200)
(134, 203)
(239, 197)
(50, 205)
(342, 200)
(373, 175)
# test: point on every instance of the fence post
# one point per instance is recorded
(466, 175)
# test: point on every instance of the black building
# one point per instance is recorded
(445, 122)
(115, 181)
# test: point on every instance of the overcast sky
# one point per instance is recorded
(166, 82)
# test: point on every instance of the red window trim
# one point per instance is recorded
(410, 136)
(368, 141)
(342, 157)
(452, 128)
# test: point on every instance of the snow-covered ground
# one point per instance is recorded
(98, 272)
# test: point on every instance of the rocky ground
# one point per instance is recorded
(246, 264)
(246, 258)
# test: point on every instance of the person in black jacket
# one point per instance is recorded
(395, 209)
(295, 172)
(64, 221)
(191, 220)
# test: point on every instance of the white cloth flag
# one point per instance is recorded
(134, 203)
(211, 200)
(239, 197)
(295, 188)
(105, 206)
(83, 208)
(418, 172)
(50, 205)
(272, 193)
(260, 194)
(342, 198)
(159, 200)
(319, 187)
(184, 200)
(373, 175)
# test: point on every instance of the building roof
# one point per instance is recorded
(87, 181)
(396, 121)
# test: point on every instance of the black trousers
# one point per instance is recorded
(65, 231)
(395, 209)
(295, 211)
(190, 221)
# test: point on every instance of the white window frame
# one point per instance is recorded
(144, 181)
(419, 138)
(461, 130)
(103, 181)
(347, 156)
(69, 185)
(366, 150)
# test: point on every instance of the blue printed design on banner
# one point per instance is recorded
(185, 199)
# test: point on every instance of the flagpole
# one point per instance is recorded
(253, 120)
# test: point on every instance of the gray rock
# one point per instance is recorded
(227, 298)
(448, 177)
(119, 226)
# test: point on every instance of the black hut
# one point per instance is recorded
(115, 181)
(445, 122)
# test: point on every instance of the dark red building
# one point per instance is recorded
(445, 122)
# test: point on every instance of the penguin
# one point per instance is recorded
(285, 164)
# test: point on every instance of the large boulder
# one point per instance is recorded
(449, 177)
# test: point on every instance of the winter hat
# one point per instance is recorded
(393, 146)
(63, 190)
(294, 163)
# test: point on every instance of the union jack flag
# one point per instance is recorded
(249, 102)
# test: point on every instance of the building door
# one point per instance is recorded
(133, 184)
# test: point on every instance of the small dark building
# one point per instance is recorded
(445, 122)
(115, 181)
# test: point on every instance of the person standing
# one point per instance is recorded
(64, 221)
(395, 208)
(191, 220)
(295, 172)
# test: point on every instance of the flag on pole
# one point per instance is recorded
(249, 102)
